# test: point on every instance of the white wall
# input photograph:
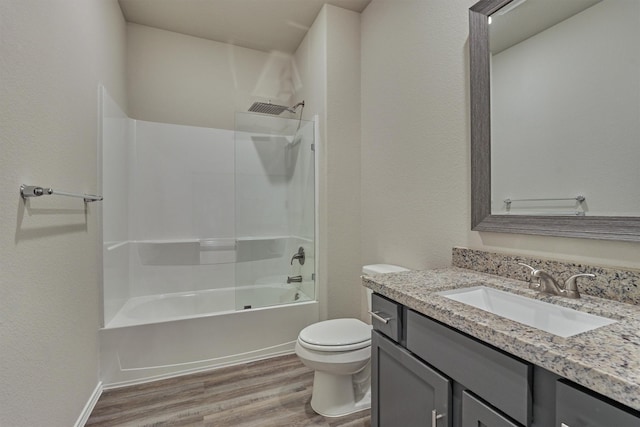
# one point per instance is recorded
(415, 144)
(415, 137)
(310, 65)
(53, 58)
(342, 168)
(173, 78)
(565, 118)
(328, 62)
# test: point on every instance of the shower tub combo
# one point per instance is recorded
(159, 336)
(202, 233)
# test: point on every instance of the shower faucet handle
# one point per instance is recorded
(300, 256)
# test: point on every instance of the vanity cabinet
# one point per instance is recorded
(579, 408)
(406, 391)
(499, 379)
(428, 374)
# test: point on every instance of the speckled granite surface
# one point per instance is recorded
(605, 360)
(611, 283)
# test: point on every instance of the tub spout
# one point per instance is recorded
(294, 279)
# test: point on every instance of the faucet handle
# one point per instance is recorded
(534, 273)
(533, 270)
(571, 285)
(300, 256)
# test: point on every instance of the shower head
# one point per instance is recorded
(269, 108)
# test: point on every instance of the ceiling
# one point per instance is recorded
(266, 25)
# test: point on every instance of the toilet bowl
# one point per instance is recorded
(339, 351)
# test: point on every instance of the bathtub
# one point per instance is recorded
(161, 336)
(186, 305)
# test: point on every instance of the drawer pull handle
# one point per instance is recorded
(435, 417)
(376, 315)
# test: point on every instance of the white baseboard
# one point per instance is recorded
(86, 412)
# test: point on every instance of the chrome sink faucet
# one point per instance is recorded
(548, 285)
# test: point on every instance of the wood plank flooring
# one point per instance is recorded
(270, 392)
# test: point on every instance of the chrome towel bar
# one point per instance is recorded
(580, 199)
(577, 198)
(35, 191)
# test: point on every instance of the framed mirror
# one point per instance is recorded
(594, 195)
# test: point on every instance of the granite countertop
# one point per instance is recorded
(605, 360)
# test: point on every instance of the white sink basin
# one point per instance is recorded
(551, 318)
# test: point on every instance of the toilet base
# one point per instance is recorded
(334, 395)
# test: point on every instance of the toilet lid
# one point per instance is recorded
(336, 335)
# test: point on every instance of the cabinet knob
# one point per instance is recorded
(435, 417)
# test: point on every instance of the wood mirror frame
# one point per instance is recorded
(590, 227)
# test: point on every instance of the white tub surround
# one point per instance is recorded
(186, 305)
(141, 353)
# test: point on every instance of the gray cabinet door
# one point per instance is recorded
(500, 379)
(476, 413)
(577, 408)
(404, 391)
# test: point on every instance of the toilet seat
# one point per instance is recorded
(336, 335)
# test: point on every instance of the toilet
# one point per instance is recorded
(339, 351)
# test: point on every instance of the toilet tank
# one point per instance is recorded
(382, 268)
(368, 270)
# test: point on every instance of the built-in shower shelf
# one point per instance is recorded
(115, 245)
(209, 251)
(186, 251)
(251, 238)
(221, 243)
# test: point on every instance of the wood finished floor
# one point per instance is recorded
(271, 392)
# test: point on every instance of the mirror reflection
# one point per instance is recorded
(565, 108)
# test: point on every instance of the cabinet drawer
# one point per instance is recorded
(503, 381)
(391, 312)
(476, 413)
(576, 407)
